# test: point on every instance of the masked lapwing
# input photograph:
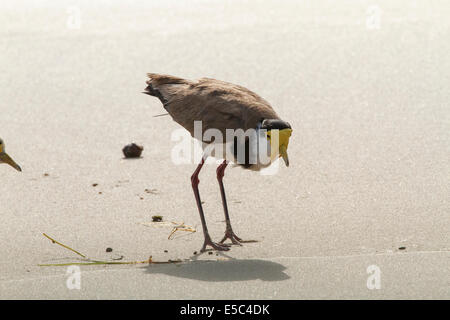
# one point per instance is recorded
(224, 107)
(5, 158)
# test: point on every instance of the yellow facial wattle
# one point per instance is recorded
(279, 140)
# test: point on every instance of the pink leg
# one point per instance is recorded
(195, 182)
(229, 234)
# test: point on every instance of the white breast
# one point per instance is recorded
(259, 151)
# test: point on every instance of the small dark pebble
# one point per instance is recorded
(166, 251)
(108, 249)
(195, 252)
(210, 252)
(157, 218)
(132, 150)
(95, 184)
(402, 248)
(46, 174)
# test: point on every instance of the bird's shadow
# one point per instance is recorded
(223, 270)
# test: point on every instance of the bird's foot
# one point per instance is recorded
(229, 234)
(214, 245)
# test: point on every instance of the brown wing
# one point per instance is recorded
(218, 104)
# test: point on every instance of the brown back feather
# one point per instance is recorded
(218, 104)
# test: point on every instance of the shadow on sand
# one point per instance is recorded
(228, 270)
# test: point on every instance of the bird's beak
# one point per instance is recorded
(285, 134)
(5, 158)
(283, 153)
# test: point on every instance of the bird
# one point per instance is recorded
(5, 158)
(223, 106)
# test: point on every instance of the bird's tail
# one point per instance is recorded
(162, 86)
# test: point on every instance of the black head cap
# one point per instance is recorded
(270, 124)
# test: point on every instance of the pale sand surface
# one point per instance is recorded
(370, 164)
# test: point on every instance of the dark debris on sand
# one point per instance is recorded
(132, 150)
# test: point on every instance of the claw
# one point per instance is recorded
(214, 245)
(229, 234)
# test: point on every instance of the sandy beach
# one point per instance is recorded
(365, 87)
